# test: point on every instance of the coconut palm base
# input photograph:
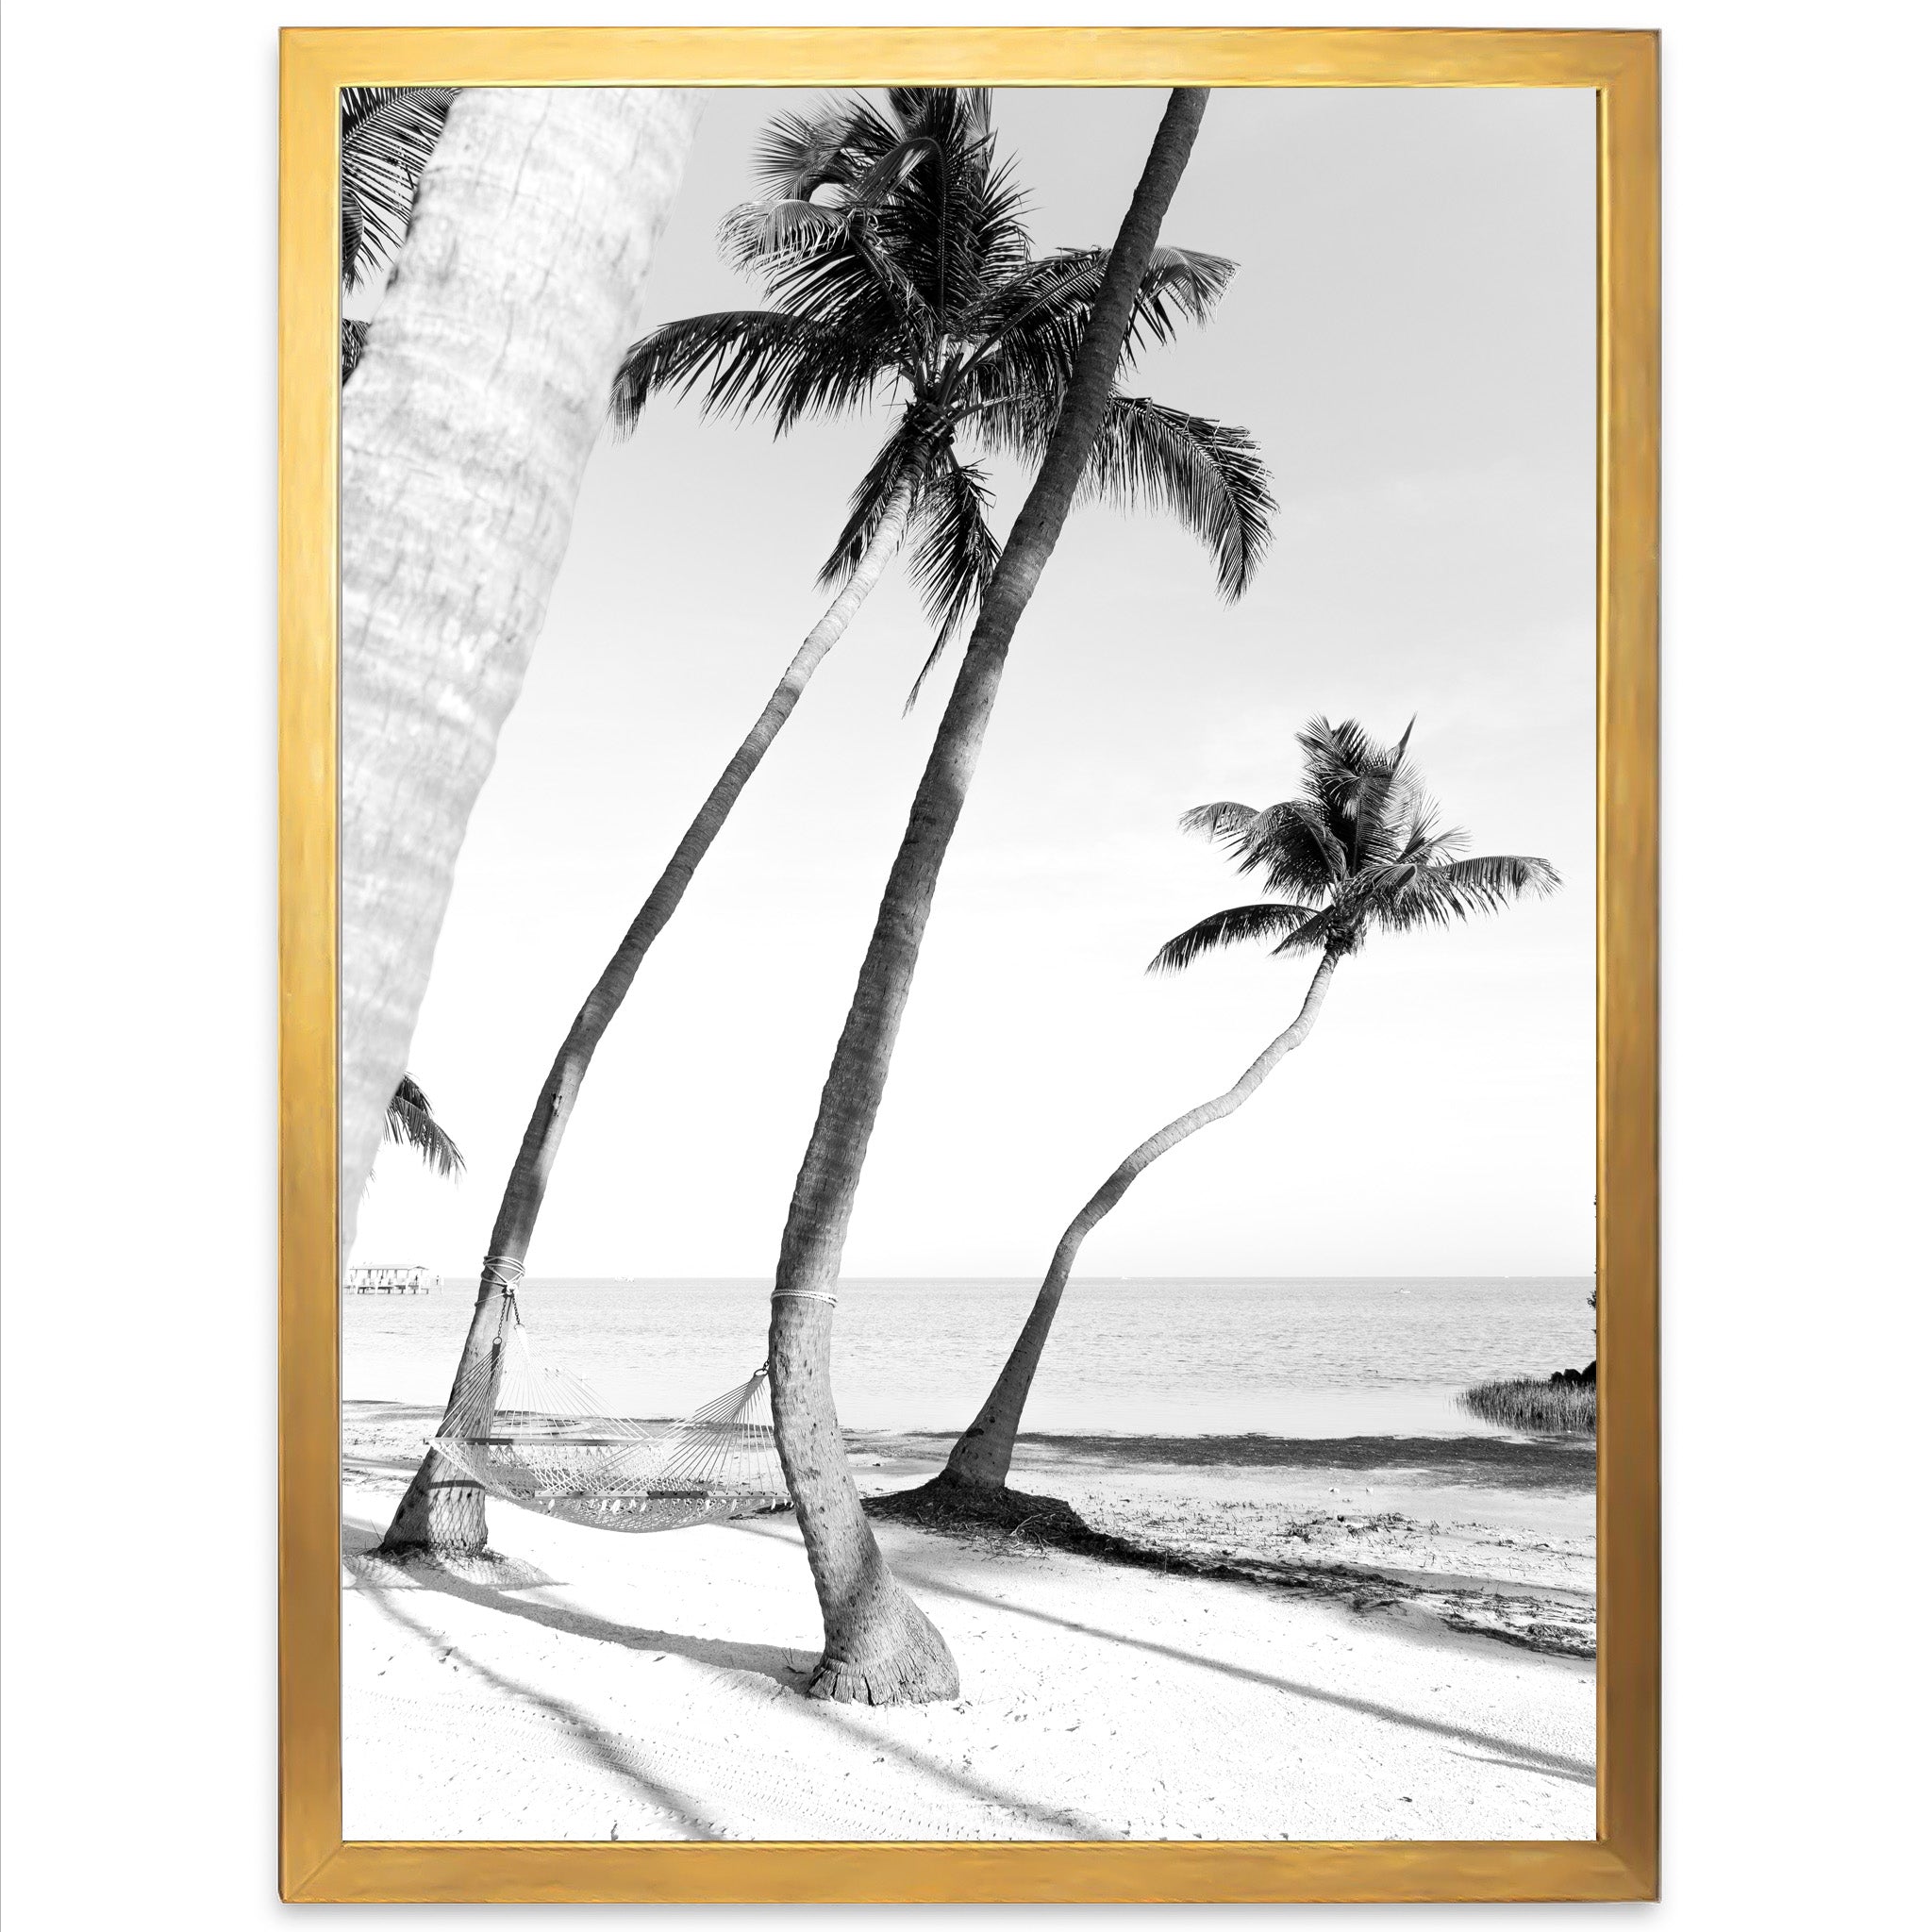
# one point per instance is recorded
(904, 1659)
(380, 1569)
(956, 1507)
(440, 1515)
(992, 1517)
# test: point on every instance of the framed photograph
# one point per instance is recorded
(969, 941)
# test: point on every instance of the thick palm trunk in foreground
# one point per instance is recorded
(442, 1510)
(880, 1647)
(984, 1454)
(464, 438)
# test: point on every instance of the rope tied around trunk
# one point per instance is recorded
(500, 1270)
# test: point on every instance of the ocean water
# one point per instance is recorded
(1305, 1358)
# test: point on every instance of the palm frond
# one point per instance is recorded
(759, 358)
(795, 155)
(905, 461)
(1294, 848)
(1353, 781)
(387, 136)
(411, 1123)
(1384, 804)
(956, 555)
(352, 241)
(827, 268)
(1035, 320)
(1400, 898)
(968, 109)
(1507, 876)
(1334, 759)
(890, 171)
(1267, 921)
(1422, 839)
(355, 340)
(1208, 475)
(1331, 929)
(1224, 820)
(754, 235)
(953, 219)
(1181, 285)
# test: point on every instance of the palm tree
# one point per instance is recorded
(386, 133)
(411, 1123)
(892, 248)
(464, 436)
(880, 1647)
(1357, 852)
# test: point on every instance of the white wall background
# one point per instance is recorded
(139, 964)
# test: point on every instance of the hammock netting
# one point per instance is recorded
(535, 1435)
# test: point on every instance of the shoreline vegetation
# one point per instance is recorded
(1565, 1404)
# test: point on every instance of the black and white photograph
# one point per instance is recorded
(1133, 1377)
(960, 964)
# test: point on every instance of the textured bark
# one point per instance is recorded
(464, 438)
(879, 1645)
(982, 1457)
(442, 1510)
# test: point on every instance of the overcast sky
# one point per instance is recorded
(1411, 341)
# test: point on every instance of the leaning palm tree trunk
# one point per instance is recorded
(442, 1510)
(880, 1647)
(464, 438)
(984, 1454)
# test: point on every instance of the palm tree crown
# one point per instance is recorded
(1359, 851)
(893, 246)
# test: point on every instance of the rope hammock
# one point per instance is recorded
(536, 1436)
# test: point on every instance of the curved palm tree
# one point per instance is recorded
(892, 245)
(1357, 852)
(411, 1123)
(386, 133)
(880, 1646)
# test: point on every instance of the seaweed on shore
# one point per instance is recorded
(1556, 1463)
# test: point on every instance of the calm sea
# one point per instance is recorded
(1311, 1358)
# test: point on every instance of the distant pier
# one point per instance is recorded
(389, 1280)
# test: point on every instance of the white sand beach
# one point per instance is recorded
(648, 1687)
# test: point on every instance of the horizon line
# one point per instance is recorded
(1523, 1275)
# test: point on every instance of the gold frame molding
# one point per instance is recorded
(1620, 1861)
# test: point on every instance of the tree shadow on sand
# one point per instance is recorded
(940, 1578)
(620, 1761)
(766, 1661)
(380, 1576)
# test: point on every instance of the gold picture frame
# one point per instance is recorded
(1621, 1862)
